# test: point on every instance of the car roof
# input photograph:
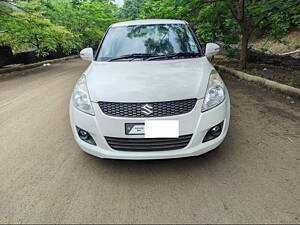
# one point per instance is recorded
(148, 22)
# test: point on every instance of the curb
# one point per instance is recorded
(267, 83)
(34, 65)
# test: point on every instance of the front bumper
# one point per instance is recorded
(194, 122)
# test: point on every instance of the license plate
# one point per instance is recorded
(154, 128)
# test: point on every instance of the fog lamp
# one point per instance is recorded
(213, 132)
(85, 136)
(216, 130)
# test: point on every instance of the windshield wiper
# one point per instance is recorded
(175, 55)
(134, 55)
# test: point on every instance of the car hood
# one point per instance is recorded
(148, 81)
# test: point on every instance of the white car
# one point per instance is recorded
(149, 93)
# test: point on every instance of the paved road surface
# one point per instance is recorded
(254, 177)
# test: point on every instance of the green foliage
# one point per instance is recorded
(166, 9)
(229, 21)
(5, 8)
(48, 24)
(273, 18)
(131, 9)
(214, 23)
(75, 24)
(93, 19)
(211, 21)
(86, 20)
(23, 31)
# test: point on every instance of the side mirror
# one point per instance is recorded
(212, 49)
(87, 54)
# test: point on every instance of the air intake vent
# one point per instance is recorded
(148, 144)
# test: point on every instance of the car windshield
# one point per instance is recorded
(147, 41)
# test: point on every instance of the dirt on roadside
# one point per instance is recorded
(282, 75)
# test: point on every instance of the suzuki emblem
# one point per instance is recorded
(147, 109)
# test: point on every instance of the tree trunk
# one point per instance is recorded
(244, 48)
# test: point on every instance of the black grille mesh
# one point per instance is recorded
(160, 109)
(148, 144)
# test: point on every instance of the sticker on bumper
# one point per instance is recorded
(161, 129)
(134, 128)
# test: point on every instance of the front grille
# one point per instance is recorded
(148, 144)
(159, 109)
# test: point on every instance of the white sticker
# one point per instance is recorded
(161, 129)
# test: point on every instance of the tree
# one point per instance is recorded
(131, 9)
(229, 21)
(211, 21)
(74, 24)
(86, 20)
(165, 9)
(46, 25)
(22, 31)
(252, 15)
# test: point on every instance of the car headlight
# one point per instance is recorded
(215, 93)
(81, 98)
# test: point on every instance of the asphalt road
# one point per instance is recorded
(254, 177)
